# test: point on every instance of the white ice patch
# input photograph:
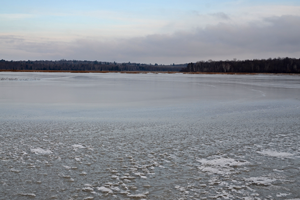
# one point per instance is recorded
(78, 159)
(88, 185)
(14, 170)
(275, 154)
(115, 177)
(77, 146)
(87, 189)
(83, 173)
(137, 196)
(88, 198)
(282, 194)
(28, 194)
(104, 190)
(220, 165)
(277, 170)
(41, 151)
(115, 189)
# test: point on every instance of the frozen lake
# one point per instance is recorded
(149, 136)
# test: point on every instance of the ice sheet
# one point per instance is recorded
(149, 136)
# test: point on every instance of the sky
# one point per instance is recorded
(164, 32)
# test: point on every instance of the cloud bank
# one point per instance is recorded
(269, 37)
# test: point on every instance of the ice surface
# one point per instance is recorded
(149, 136)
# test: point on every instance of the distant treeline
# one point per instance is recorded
(277, 65)
(75, 65)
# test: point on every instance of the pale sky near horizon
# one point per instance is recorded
(166, 31)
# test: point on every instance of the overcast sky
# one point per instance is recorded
(149, 31)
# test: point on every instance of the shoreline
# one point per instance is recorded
(146, 72)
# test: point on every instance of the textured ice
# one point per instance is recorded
(149, 136)
(41, 151)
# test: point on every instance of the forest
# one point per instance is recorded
(276, 65)
(75, 65)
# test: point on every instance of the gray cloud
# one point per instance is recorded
(223, 41)
(221, 15)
